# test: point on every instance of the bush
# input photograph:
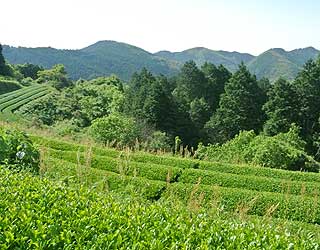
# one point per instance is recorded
(283, 151)
(17, 151)
(114, 128)
(158, 141)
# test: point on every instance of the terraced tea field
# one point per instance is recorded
(12, 101)
(232, 188)
(89, 197)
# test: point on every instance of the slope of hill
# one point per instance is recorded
(101, 58)
(278, 62)
(110, 57)
(230, 60)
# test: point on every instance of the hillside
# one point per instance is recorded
(110, 57)
(278, 62)
(99, 59)
(230, 60)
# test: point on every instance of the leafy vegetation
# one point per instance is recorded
(284, 150)
(17, 151)
(56, 216)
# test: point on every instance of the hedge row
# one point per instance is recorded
(40, 214)
(28, 95)
(184, 163)
(285, 206)
(26, 100)
(172, 174)
(291, 207)
(8, 86)
(119, 165)
(17, 93)
(256, 183)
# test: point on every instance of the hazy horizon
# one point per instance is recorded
(244, 26)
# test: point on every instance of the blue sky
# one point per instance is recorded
(245, 26)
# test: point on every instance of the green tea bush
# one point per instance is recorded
(40, 214)
(17, 151)
(153, 171)
(120, 165)
(8, 85)
(184, 163)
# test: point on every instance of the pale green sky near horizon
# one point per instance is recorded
(154, 25)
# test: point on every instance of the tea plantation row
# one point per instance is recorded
(37, 213)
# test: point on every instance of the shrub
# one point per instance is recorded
(17, 151)
(158, 141)
(284, 151)
(114, 128)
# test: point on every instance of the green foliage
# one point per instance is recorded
(44, 214)
(217, 78)
(14, 100)
(79, 105)
(5, 70)
(57, 77)
(284, 151)
(158, 141)
(17, 151)
(281, 107)
(8, 85)
(240, 108)
(29, 70)
(27, 81)
(114, 128)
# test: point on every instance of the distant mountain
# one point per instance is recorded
(101, 58)
(110, 57)
(278, 62)
(200, 55)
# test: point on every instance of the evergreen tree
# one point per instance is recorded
(217, 77)
(240, 108)
(4, 68)
(191, 83)
(281, 108)
(307, 86)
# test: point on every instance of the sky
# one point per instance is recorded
(175, 25)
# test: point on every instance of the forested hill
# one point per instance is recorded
(110, 57)
(100, 59)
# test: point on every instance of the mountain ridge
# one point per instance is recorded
(111, 57)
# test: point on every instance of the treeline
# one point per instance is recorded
(211, 105)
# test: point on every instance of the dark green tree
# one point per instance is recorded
(240, 108)
(29, 70)
(191, 84)
(5, 70)
(307, 86)
(217, 77)
(57, 77)
(281, 108)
